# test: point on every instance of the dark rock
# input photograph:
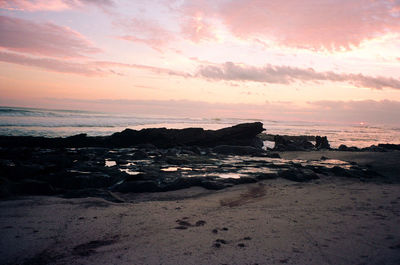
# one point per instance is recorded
(343, 147)
(195, 149)
(243, 134)
(374, 148)
(213, 185)
(139, 155)
(33, 187)
(322, 143)
(237, 150)
(264, 176)
(146, 146)
(283, 144)
(6, 188)
(298, 175)
(355, 172)
(273, 155)
(390, 146)
(137, 186)
(82, 180)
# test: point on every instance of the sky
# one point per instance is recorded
(311, 60)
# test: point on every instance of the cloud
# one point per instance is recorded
(90, 68)
(51, 5)
(285, 75)
(156, 44)
(310, 24)
(53, 65)
(145, 31)
(196, 28)
(154, 69)
(43, 39)
(197, 20)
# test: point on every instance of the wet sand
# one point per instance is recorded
(332, 220)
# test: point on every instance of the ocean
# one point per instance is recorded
(54, 123)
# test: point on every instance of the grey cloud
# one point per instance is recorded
(285, 75)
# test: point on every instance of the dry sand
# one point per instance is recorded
(328, 221)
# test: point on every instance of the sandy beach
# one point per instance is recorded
(331, 220)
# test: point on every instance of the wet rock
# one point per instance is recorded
(322, 143)
(33, 187)
(264, 176)
(146, 146)
(343, 147)
(354, 172)
(82, 180)
(139, 155)
(284, 144)
(6, 188)
(137, 186)
(273, 155)
(298, 175)
(390, 146)
(374, 148)
(213, 185)
(237, 150)
(242, 134)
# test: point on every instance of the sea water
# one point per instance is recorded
(55, 123)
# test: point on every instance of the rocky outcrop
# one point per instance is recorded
(289, 144)
(240, 135)
(322, 143)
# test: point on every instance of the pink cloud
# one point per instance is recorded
(43, 39)
(285, 75)
(90, 68)
(310, 24)
(154, 69)
(196, 28)
(50, 5)
(196, 18)
(156, 44)
(53, 65)
(145, 31)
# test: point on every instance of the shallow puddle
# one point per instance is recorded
(110, 163)
(130, 172)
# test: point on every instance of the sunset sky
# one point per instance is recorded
(314, 60)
